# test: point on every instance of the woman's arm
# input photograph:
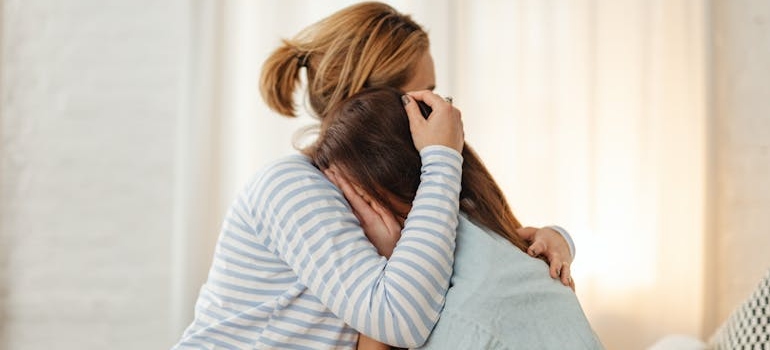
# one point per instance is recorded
(312, 229)
(381, 228)
(396, 301)
(379, 224)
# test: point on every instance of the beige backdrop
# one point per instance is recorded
(126, 127)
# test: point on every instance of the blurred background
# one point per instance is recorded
(126, 128)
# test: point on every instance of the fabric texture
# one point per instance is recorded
(293, 269)
(501, 298)
(748, 326)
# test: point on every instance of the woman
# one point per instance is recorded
(293, 267)
(500, 297)
(370, 44)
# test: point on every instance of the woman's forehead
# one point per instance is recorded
(424, 77)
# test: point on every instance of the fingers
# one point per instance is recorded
(416, 120)
(555, 269)
(380, 213)
(386, 244)
(566, 274)
(361, 208)
(561, 270)
(550, 245)
(443, 126)
(331, 175)
(388, 219)
(558, 268)
(536, 249)
(379, 224)
(528, 233)
(429, 97)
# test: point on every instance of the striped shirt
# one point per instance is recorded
(293, 269)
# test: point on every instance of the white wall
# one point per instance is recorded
(740, 125)
(90, 95)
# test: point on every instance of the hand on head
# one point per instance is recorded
(379, 224)
(444, 126)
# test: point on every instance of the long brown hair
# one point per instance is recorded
(368, 44)
(367, 137)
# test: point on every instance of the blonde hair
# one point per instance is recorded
(365, 45)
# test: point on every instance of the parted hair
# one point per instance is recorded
(368, 138)
(369, 44)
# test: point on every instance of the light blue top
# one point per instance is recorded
(501, 298)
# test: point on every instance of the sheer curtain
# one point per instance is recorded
(590, 113)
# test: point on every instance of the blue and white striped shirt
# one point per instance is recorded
(293, 268)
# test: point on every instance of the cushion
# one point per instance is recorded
(748, 326)
(678, 342)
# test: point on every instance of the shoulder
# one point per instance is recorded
(293, 176)
(468, 227)
(291, 166)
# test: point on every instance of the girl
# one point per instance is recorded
(499, 297)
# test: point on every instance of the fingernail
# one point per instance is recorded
(405, 99)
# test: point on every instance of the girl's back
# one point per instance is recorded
(501, 298)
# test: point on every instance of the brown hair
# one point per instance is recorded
(367, 137)
(368, 44)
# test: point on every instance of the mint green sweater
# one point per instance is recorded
(501, 298)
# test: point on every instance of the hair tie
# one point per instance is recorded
(302, 60)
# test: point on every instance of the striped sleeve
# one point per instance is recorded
(313, 230)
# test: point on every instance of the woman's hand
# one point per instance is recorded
(550, 244)
(443, 126)
(379, 224)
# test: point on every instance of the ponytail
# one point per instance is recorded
(280, 77)
(368, 44)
